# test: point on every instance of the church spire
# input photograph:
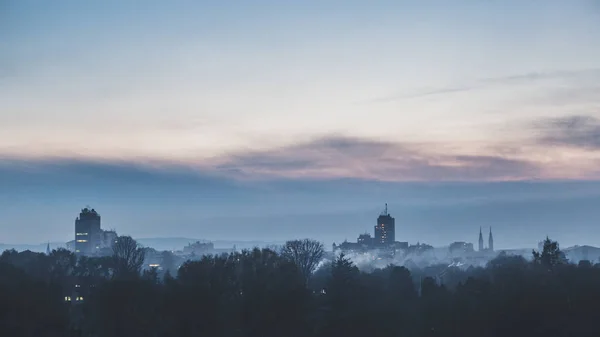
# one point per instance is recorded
(491, 241)
(48, 249)
(480, 240)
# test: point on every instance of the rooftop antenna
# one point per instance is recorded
(385, 212)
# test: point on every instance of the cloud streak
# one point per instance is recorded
(493, 81)
(336, 157)
(572, 131)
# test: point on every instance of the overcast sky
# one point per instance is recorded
(228, 119)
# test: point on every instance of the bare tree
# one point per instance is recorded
(128, 257)
(306, 254)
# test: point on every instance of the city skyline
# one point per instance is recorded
(281, 120)
(251, 227)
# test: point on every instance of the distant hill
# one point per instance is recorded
(575, 253)
(39, 248)
(156, 243)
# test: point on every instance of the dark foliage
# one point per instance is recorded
(265, 293)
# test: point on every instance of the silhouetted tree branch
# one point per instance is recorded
(128, 257)
(306, 254)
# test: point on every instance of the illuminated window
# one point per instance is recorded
(81, 234)
(79, 299)
(77, 251)
(78, 286)
(81, 240)
(154, 265)
(67, 298)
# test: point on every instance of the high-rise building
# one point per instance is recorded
(90, 239)
(87, 231)
(385, 230)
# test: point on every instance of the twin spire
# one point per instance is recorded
(490, 240)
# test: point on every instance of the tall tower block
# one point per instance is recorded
(87, 231)
(385, 229)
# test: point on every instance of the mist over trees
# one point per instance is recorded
(292, 292)
(550, 256)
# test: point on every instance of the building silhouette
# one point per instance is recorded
(87, 230)
(384, 239)
(90, 239)
(365, 239)
(460, 247)
(385, 229)
(199, 248)
(480, 240)
(490, 247)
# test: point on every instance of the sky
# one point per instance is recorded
(278, 119)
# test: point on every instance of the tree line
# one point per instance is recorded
(292, 292)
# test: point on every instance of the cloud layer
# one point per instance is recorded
(561, 148)
(349, 157)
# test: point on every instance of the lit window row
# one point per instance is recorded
(81, 240)
(68, 298)
(81, 234)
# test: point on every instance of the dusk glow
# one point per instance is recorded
(279, 92)
(209, 84)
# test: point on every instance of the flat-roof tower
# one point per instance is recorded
(385, 229)
(87, 231)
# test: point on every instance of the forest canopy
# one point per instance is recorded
(292, 292)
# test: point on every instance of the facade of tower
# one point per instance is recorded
(491, 241)
(385, 229)
(88, 232)
(480, 240)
